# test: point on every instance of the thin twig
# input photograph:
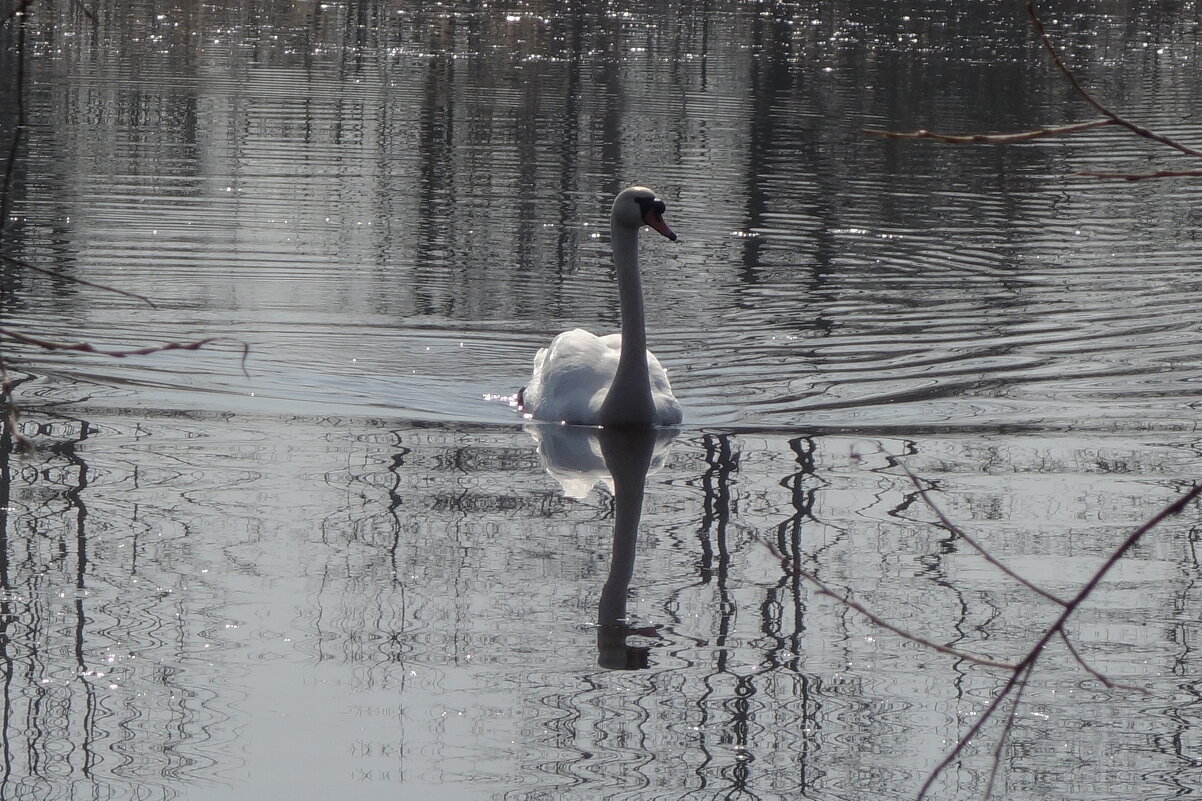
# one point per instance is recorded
(962, 743)
(1019, 671)
(1027, 662)
(1172, 510)
(952, 527)
(990, 139)
(1097, 674)
(1110, 117)
(1004, 735)
(121, 353)
(88, 347)
(877, 620)
(1113, 116)
(1143, 176)
(73, 279)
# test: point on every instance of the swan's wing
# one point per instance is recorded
(667, 408)
(571, 377)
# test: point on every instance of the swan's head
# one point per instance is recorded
(638, 206)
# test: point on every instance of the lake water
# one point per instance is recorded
(353, 570)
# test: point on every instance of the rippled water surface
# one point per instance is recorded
(344, 566)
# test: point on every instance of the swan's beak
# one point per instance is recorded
(656, 221)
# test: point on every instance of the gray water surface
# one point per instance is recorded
(353, 570)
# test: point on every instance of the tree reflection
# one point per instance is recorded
(754, 714)
(8, 619)
(88, 689)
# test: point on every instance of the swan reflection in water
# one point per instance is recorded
(579, 458)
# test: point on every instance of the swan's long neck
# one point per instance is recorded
(629, 401)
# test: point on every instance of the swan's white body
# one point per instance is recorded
(572, 379)
(611, 380)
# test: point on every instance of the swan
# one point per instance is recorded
(612, 380)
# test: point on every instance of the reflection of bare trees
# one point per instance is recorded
(1003, 703)
(754, 712)
(453, 591)
(476, 569)
(94, 662)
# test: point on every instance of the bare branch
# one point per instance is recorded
(1110, 117)
(877, 620)
(1139, 130)
(121, 353)
(1004, 735)
(951, 756)
(1020, 671)
(1172, 510)
(88, 347)
(952, 527)
(846, 600)
(1097, 674)
(1027, 662)
(73, 279)
(991, 139)
(1143, 176)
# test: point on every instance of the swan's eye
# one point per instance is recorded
(658, 206)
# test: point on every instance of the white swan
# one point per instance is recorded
(611, 380)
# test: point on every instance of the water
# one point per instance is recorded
(352, 570)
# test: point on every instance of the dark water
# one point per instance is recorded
(351, 572)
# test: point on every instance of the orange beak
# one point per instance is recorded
(653, 218)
